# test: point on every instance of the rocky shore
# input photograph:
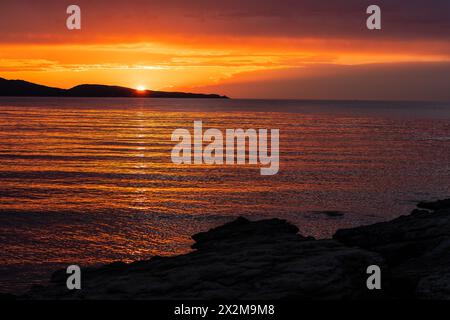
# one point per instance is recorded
(269, 259)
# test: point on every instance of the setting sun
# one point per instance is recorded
(140, 88)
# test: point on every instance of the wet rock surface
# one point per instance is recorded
(268, 259)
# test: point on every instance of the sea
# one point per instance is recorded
(89, 181)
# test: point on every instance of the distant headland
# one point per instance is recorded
(21, 88)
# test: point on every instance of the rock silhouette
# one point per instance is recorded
(415, 247)
(268, 259)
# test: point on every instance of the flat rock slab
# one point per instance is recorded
(268, 259)
(240, 260)
(416, 248)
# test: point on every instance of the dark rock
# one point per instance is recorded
(435, 205)
(330, 213)
(415, 247)
(268, 259)
(418, 212)
(7, 297)
(240, 260)
(241, 228)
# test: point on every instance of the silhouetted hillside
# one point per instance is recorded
(22, 88)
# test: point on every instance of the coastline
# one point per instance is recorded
(268, 259)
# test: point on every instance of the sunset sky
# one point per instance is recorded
(241, 48)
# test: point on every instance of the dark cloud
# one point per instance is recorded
(45, 20)
(403, 81)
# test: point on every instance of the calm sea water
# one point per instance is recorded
(90, 181)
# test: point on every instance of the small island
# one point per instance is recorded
(21, 88)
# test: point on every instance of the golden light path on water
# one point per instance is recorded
(91, 180)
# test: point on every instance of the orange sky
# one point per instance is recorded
(206, 46)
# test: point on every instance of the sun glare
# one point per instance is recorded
(140, 88)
